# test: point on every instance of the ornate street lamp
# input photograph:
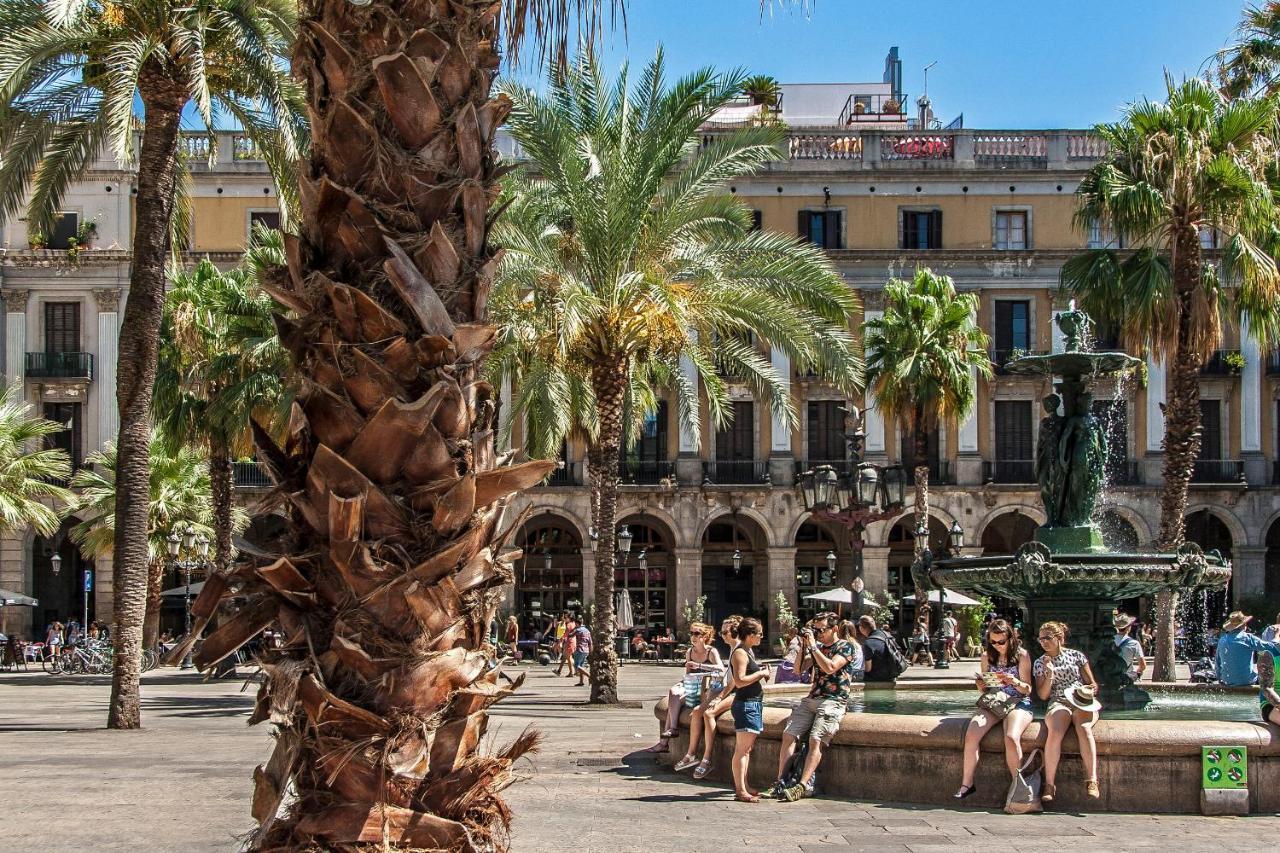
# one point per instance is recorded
(737, 561)
(624, 540)
(920, 574)
(546, 560)
(196, 549)
(55, 564)
(831, 562)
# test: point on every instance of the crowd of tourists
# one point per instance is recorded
(832, 655)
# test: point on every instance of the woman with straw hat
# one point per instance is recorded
(1065, 681)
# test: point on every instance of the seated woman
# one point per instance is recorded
(640, 646)
(714, 705)
(702, 668)
(1065, 681)
(789, 667)
(1009, 666)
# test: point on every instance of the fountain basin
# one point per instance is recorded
(1143, 765)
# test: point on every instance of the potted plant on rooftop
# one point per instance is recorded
(762, 89)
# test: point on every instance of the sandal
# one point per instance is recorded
(660, 746)
(685, 763)
(704, 767)
(668, 734)
(1048, 792)
(965, 792)
(1092, 790)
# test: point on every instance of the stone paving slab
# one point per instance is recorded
(183, 783)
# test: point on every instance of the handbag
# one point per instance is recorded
(1024, 790)
(998, 703)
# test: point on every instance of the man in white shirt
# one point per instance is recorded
(1135, 662)
(950, 633)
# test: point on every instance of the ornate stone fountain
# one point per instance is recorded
(1065, 573)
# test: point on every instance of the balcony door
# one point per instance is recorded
(1013, 326)
(736, 446)
(1014, 442)
(643, 461)
(1211, 430)
(61, 327)
(68, 416)
(826, 432)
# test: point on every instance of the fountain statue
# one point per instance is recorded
(1066, 573)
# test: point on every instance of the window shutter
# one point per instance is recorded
(61, 327)
(935, 229)
(757, 220)
(904, 239)
(831, 230)
(1004, 325)
(1210, 429)
(802, 224)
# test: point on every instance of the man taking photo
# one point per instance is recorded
(818, 715)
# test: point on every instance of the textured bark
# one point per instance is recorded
(1181, 439)
(135, 379)
(609, 382)
(396, 499)
(920, 452)
(151, 621)
(220, 481)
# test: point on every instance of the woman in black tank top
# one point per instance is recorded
(748, 676)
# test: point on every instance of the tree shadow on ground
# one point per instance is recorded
(198, 706)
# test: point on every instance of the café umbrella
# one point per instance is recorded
(9, 598)
(954, 599)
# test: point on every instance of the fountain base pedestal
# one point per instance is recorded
(1071, 540)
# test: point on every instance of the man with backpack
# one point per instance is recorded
(817, 718)
(884, 660)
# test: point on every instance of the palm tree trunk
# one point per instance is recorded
(151, 620)
(1181, 442)
(136, 374)
(920, 454)
(609, 382)
(220, 483)
(397, 503)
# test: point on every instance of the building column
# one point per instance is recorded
(14, 576)
(105, 384)
(968, 460)
(104, 589)
(1248, 571)
(872, 420)
(1153, 462)
(688, 582)
(688, 463)
(782, 579)
(15, 335)
(875, 569)
(1255, 464)
(781, 460)
(588, 574)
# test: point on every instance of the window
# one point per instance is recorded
(737, 443)
(1013, 326)
(645, 461)
(69, 438)
(267, 218)
(1210, 429)
(907, 451)
(65, 228)
(1011, 229)
(1208, 237)
(921, 229)
(61, 327)
(826, 431)
(1014, 462)
(1102, 237)
(823, 228)
(757, 220)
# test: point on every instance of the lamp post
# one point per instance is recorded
(858, 495)
(196, 550)
(623, 547)
(953, 547)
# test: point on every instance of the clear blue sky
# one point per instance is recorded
(1030, 64)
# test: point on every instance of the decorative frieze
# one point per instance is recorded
(15, 300)
(108, 298)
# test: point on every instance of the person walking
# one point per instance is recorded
(561, 647)
(880, 663)
(950, 633)
(1234, 658)
(748, 676)
(1004, 673)
(701, 660)
(817, 717)
(1064, 680)
(1129, 649)
(512, 634)
(713, 706)
(53, 639)
(581, 648)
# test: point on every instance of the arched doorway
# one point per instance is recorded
(901, 555)
(735, 573)
(813, 572)
(1005, 534)
(1117, 533)
(61, 595)
(646, 574)
(1200, 612)
(549, 575)
(1273, 562)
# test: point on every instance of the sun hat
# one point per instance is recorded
(1080, 697)
(1122, 620)
(1237, 619)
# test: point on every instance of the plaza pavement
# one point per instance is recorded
(183, 783)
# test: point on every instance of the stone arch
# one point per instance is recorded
(550, 575)
(1118, 532)
(1135, 519)
(658, 519)
(1239, 536)
(647, 572)
(1005, 531)
(1034, 513)
(759, 526)
(582, 527)
(937, 514)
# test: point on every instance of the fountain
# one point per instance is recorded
(1066, 573)
(902, 743)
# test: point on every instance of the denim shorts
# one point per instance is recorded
(748, 716)
(579, 660)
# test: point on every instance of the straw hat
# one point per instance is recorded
(1237, 619)
(1081, 698)
(1122, 621)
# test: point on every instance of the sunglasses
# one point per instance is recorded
(1048, 638)
(1003, 642)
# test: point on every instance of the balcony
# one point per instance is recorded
(1221, 363)
(645, 472)
(1011, 150)
(570, 474)
(250, 475)
(1001, 357)
(59, 365)
(1009, 471)
(803, 465)
(737, 472)
(873, 107)
(1220, 471)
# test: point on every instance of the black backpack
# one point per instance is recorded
(795, 765)
(895, 659)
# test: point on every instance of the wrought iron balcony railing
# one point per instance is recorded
(250, 475)
(1218, 471)
(645, 472)
(1009, 471)
(737, 472)
(59, 365)
(569, 475)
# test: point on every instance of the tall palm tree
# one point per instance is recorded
(29, 494)
(1251, 66)
(923, 355)
(71, 73)
(222, 369)
(178, 496)
(626, 256)
(1196, 161)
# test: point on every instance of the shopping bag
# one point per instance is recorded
(1024, 790)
